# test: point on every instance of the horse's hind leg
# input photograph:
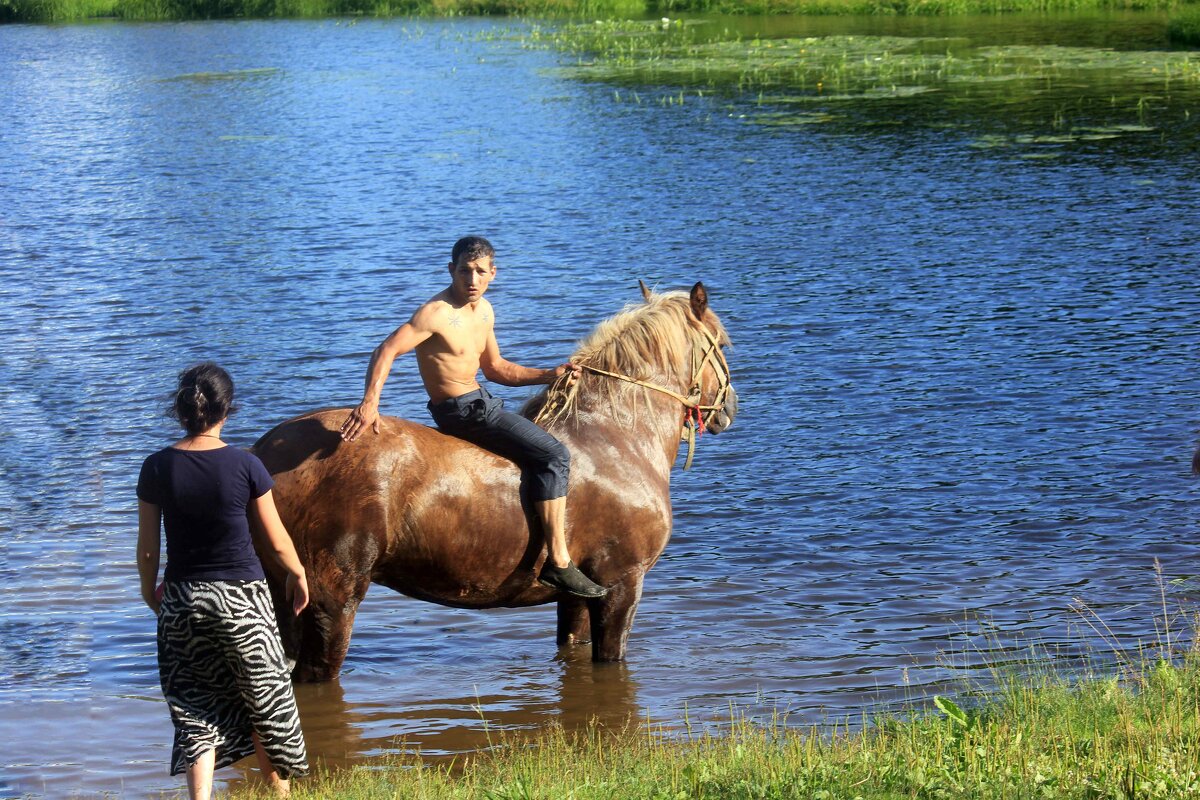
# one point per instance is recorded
(612, 618)
(574, 627)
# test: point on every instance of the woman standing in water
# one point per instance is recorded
(220, 660)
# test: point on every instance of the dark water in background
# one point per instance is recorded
(968, 378)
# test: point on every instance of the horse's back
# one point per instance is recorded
(409, 501)
(316, 436)
(313, 465)
(312, 443)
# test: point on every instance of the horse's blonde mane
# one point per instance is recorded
(645, 341)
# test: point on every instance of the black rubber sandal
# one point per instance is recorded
(570, 580)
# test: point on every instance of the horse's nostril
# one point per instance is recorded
(731, 407)
(719, 420)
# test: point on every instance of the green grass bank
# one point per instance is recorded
(1133, 735)
(78, 10)
(1184, 26)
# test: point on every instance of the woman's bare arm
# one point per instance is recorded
(274, 539)
(148, 550)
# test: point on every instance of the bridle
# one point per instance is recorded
(693, 406)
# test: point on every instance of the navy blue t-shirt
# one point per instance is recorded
(204, 495)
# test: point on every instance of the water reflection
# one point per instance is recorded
(572, 693)
(604, 694)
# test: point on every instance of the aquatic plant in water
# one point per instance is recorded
(1057, 94)
(688, 54)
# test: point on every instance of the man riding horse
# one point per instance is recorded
(453, 334)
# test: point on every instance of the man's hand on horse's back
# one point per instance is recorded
(364, 414)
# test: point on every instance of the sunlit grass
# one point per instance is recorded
(1042, 736)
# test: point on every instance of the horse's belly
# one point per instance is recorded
(473, 553)
(482, 589)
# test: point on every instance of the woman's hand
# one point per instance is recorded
(296, 592)
(153, 598)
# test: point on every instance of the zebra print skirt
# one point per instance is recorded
(224, 675)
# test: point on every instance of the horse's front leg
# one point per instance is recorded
(612, 617)
(325, 626)
(574, 626)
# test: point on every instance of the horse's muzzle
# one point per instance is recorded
(722, 419)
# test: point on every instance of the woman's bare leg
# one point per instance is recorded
(281, 785)
(200, 776)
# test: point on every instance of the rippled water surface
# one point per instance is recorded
(967, 372)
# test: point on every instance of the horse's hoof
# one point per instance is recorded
(570, 580)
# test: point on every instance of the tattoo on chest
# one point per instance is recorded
(456, 319)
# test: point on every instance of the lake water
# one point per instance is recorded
(966, 357)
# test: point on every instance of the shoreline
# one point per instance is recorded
(57, 11)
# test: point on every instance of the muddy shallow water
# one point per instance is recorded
(967, 375)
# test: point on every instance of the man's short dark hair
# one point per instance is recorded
(473, 247)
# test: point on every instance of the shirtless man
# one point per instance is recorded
(453, 334)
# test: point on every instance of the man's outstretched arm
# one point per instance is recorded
(402, 340)
(506, 373)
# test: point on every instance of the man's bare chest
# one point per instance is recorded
(463, 335)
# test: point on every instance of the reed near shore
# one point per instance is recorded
(1130, 731)
(1184, 26)
(78, 10)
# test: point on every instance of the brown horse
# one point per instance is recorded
(439, 519)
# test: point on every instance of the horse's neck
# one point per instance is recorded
(648, 430)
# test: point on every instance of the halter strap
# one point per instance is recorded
(691, 404)
(637, 382)
(693, 409)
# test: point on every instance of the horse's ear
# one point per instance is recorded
(699, 300)
(645, 290)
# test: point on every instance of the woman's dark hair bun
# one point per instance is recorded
(204, 397)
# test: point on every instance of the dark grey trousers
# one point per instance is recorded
(481, 419)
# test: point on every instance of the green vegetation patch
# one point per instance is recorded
(915, 8)
(1184, 26)
(669, 53)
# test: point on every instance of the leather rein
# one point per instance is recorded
(693, 407)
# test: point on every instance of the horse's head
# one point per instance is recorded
(672, 346)
(711, 385)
